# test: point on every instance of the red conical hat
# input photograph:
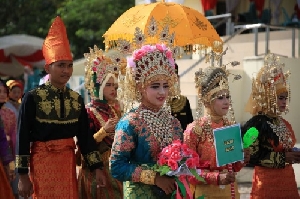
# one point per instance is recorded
(56, 46)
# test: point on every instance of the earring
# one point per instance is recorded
(138, 96)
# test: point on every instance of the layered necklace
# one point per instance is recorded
(283, 133)
(205, 131)
(159, 123)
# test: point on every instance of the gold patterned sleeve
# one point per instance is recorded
(100, 135)
(148, 177)
(86, 141)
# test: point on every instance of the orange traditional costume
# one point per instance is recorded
(50, 118)
(99, 68)
(199, 134)
(273, 177)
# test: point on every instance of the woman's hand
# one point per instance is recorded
(292, 157)
(226, 178)
(167, 184)
(246, 155)
(110, 125)
(25, 186)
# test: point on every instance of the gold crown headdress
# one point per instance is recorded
(269, 82)
(212, 80)
(99, 67)
(147, 63)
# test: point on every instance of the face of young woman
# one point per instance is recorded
(155, 94)
(3, 94)
(109, 90)
(15, 93)
(220, 103)
(281, 101)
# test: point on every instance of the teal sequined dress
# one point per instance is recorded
(136, 148)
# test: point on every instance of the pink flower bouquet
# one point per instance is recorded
(180, 161)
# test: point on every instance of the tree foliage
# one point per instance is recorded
(88, 20)
(32, 17)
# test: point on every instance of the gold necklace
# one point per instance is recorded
(205, 131)
(283, 133)
(158, 123)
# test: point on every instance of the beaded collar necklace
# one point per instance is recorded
(205, 131)
(283, 133)
(159, 123)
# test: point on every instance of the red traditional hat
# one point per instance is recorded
(56, 46)
(12, 83)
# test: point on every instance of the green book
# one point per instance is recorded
(228, 144)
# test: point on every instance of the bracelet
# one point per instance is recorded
(148, 177)
(100, 135)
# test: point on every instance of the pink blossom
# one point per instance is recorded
(173, 164)
(169, 54)
(94, 68)
(172, 63)
(161, 47)
(162, 161)
(138, 54)
(166, 151)
(195, 154)
(130, 62)
(176, 143)
(192, 162)
(176, 155)
(96, 62)
(147, 48)
(186, 150)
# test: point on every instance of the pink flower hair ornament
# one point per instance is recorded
(147, 50)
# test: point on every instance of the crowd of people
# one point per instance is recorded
(135, 111)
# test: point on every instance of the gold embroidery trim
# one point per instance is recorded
(76, 105)
(98, 116)
(56, 121)
(93, 157)
(22, 161)
(74, 95)
(67, 107)
(178, 104)
(45, 106)
(100, 135)
(148, 177)
(57, 106)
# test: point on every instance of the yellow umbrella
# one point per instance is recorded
(159, 21)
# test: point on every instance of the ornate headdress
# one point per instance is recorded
(99, 67)
(212, 80)
(56, 46)
(269, 82)
(14, 83)
(149, 63)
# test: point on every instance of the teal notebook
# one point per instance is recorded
(228, 144)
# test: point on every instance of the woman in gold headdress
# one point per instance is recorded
(15, 91)
(142, 132)
(101, 80)
(272, 153)
(213, 93)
